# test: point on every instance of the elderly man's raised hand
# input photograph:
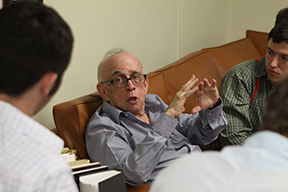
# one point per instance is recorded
(206, 95)
(176, 107)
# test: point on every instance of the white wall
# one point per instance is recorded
(157, 32)
(257, 15)
(205, 24)
(148, 29)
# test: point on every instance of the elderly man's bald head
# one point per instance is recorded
(108, 57)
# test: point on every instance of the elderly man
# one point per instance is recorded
(139, 133)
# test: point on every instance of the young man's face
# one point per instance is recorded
(276, 60)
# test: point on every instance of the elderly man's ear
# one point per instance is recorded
(146, 87)
(102, 92)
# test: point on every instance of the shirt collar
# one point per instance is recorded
(152, 102)
(262, 72)
(114, 113)
(261, 69)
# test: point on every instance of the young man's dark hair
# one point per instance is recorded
(279, 33)
(276, 113)
(35, 49)
(282, 16)
(31, 44)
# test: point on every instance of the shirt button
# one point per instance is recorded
(126, 114)
(209, 113)
(139, 122)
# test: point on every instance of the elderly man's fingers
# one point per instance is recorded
(192, 91)
(206, 83)
(190, 83)
(188, 86)
(214, 83)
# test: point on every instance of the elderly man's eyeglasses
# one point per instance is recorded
(122, 80)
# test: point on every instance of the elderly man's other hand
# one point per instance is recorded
(176, 107)
(206, 95)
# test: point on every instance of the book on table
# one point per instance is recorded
(106, 181)
(96, 178)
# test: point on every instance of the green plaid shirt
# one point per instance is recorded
(236, 89)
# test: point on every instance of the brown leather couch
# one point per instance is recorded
(72, 116)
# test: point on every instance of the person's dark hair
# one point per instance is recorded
(34, 40)
(276, 113)
(279, 33)
(282, 16)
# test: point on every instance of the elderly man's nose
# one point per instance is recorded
(130, 85)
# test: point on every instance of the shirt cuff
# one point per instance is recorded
(211, 117)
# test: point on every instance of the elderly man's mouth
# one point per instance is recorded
(132, 100)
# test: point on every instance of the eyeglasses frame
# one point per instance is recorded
(111, 81)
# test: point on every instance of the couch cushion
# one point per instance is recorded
(157, 85)
(71, 118)
(226, 56)
(259, 39)
(200, 64)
